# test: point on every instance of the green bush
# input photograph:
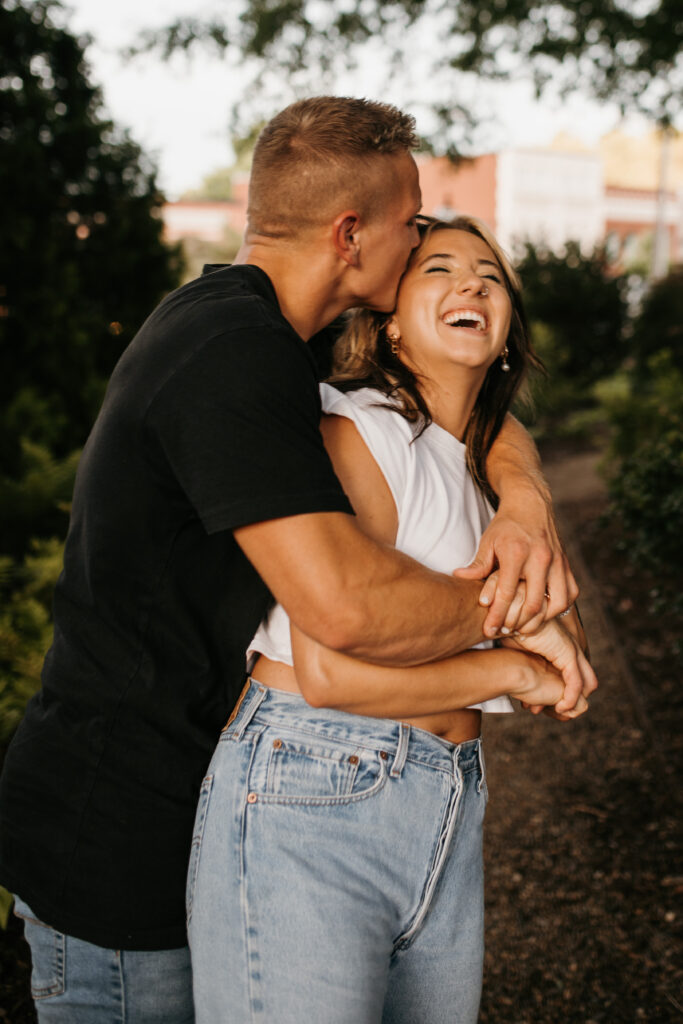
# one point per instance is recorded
(660, 324)
(577, 313)
(25, 627)
(646, 473)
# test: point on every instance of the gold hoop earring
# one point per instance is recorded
(504, 365)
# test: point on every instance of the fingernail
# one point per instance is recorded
(504, 630)
(485, 600)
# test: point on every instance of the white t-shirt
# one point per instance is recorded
(441, 512)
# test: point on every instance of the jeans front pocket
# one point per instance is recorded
(195, 850)
(310, 769)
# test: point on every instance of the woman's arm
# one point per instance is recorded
(329, 679)
(332, 679)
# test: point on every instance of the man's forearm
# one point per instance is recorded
(360, 597)
(514, 462)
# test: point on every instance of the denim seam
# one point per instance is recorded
(57, 987)
(248, 929)
(122, 985)
(439, 856)
(196, 847)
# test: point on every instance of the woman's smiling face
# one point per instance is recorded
(453, 307)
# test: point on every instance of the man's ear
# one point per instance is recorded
(345, 237)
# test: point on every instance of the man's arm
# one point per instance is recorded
(522, 539)
(357, 596)
(342, 582)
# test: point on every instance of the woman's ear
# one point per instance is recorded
(345, 237)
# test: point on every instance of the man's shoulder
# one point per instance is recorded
(235, 297)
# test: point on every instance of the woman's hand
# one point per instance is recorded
(559, 647)
(541, 688)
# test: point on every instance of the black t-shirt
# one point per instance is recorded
(210, 422)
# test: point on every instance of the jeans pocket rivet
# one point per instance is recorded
(353, 759)
(277, 744)
(383, 754)
(252, 798)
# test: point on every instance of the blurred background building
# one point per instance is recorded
(548, 196)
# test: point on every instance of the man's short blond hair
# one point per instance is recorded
(320, 156)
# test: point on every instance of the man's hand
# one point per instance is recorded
(522, 543)
(554, 643)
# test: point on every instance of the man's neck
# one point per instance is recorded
(306, 282)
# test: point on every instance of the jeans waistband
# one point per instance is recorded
(396, 741)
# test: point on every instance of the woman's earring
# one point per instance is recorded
(504, 365)
(395, 344)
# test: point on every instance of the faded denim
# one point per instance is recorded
(75, 982)
(336, 871)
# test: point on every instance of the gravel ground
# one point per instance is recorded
(584, 875)
(582, 846)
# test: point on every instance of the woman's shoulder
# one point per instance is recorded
(367, 402)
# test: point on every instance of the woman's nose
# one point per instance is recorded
(471, 283)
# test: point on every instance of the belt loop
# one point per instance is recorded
(401, 750)
(250, 708)
(456, 778)
(482, 765)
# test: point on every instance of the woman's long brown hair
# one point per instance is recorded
(363, 358)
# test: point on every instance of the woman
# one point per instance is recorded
(336, 873)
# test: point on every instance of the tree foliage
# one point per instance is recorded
(646, 474)
(81, 260)
(660, 324)
(628, 51)
(577, 312)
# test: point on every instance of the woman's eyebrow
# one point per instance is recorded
(436, 256)
(450, 256)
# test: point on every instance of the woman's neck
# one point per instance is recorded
(451, 402)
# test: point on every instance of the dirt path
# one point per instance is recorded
(583, 901)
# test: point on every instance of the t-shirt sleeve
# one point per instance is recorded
(238, 425)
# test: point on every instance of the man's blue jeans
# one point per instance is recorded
(75, 982)
(336, 872)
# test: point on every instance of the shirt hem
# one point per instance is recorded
(171, 937)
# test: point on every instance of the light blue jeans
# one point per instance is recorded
(336, 871)
(75, 982)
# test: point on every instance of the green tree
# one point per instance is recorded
(82, 259)
(627, 52)
(577, 313)
(646, 473)
(82, 262)
(576, 297)
(660, 324)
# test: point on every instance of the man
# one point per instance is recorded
(205, 485)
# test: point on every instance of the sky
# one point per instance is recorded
(178, 110)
